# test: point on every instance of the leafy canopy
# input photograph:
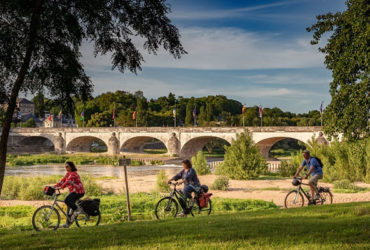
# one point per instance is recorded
(347, 56)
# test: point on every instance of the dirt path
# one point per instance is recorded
(254, 189)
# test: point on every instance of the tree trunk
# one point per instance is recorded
(34, 26)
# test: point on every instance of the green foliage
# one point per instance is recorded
(342, 160)
(30, 123)
(31, 188)
(161, 183)
(199, 163)
(287, 169)
(243, 160)
(220, 183)
(79, 159)
(346, 55)
(103, 119)
(345, 184)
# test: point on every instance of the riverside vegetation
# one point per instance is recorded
(79, 159)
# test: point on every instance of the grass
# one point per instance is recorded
(155, 151)
(339, 226)
(113, 209)
(79, 159)
(283, 153)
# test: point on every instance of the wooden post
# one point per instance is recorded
(126, 162)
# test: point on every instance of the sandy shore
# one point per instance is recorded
(254, 189)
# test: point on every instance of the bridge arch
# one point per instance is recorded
(192, 146)
(265, 145)
(87, 144)
(139, 144)
(36, 144)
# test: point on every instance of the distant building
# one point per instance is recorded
(24, 108)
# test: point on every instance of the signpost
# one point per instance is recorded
(124, 162)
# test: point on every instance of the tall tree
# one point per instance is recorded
(209, 112)
(40, 44)
(39, 102)
(189, 112)
(347, 56)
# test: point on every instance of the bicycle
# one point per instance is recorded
(168, 206)
(47, 217)
(295, 198)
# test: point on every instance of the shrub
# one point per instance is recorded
(346, 184)
(343, 160)
(243, 160)
(221, 183)
(287, 169)
(30, 188)
(199, 163)
(161, 183)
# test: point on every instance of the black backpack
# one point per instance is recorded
(91, 207)
(319, 161)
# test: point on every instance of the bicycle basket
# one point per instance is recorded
(48, 190)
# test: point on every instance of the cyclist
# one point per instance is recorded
(314, 169)
(190, 179)
(76, 191)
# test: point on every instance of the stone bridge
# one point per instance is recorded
(180, 141)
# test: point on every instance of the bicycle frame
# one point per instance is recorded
(55, 204)
(175, 193)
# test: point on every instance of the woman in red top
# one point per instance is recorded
(76, 190)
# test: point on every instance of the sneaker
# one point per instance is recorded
(182, 214)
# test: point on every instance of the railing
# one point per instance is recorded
(272, 166)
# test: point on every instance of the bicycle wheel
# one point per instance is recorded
(46, 218)
(85, 220)
(197, 210)
(294, 199)
(326, 197)
(166, 208)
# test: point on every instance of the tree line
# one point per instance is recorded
(100, 111)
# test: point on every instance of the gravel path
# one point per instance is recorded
(254, 189)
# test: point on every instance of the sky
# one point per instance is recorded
(257, 52)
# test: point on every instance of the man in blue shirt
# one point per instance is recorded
(314, 169)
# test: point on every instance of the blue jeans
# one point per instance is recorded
(188, 190)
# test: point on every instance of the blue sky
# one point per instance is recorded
(257, 52)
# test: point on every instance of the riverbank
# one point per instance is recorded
(85, 159)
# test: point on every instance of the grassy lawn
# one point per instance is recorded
(342, 226)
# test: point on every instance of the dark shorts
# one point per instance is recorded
(315, 179)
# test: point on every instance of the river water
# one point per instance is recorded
(93, 170)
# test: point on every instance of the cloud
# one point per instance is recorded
(226, 13)
(288, 79)
(228, 49)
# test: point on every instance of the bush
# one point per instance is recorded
(199, 163)
(161, 183)
(243, 160)
(287, 169)
(221, 183)
(30, 188)
(346, 184)
(342, 160)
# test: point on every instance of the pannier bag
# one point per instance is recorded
(91, 207)
(203, 199)
(49, 190)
